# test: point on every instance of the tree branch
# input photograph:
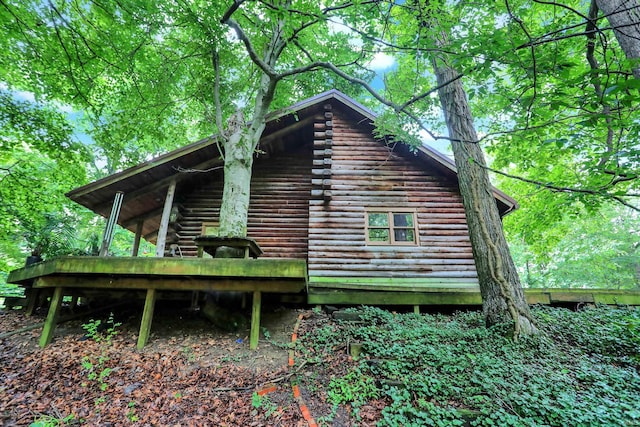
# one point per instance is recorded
(560, 189)
(544, 38)
(215, 58)
(534, 85)
(396, 107)
(232, 9)
(226, 19)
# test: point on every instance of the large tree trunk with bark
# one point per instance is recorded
(239, 147)
(238, 161)
(624, 18)
(242, 138)
(502, 295)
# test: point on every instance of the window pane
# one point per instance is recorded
(210, 228)
(404, 235)
(379, 235)
(403, 220)
(378, 219)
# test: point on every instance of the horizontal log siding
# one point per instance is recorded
(367, 174)
(278, 212)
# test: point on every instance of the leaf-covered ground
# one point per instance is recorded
(189, 374)
(414, 370)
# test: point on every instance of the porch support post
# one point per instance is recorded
(255, 320)
(107, 237)
(33, 295)
(136, 240)
(147, 317)
(52, 317)
(164, 222)
(74, 302)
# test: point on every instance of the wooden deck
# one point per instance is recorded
(391, 291)
(67, 275)
(73, 275)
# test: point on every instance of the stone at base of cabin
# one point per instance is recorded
(347, 316)
(227, 319)
(330, 309)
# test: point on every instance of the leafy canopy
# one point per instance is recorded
(552, 92)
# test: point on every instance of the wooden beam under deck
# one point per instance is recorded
(88, 281)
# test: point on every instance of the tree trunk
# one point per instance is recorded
(243, 138)
(236, 194)
(239, 147)
(238, 161)
(502, 294)
(624, 18)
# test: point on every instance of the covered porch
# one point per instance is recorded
(69, 276)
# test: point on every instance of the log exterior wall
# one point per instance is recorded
(310, 203)
(367, 174)
(278, 211)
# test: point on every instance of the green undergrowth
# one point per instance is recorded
(449, 370)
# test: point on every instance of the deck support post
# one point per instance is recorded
(416, 309)
(52, 317)
(136, 240)
(33, 295)
(112, 221)
(255, 320)
(147, 317)
(164, 221)
(74, 302)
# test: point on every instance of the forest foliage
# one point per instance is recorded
(89, 88)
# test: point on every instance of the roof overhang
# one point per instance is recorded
(145, 185)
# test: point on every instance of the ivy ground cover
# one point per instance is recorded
(449, 370)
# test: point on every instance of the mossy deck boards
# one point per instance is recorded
(393, 291)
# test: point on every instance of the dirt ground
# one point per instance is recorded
(190, 373)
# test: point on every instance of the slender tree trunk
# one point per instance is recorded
(502, 294)
(238, 161)
(239, 148)
(624, 18)
(243, 138)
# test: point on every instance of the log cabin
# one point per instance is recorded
(337, 216)
(362, 213)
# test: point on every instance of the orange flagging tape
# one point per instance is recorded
(296, 389)
(269, 389)
(305, 412)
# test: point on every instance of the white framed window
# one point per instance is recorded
(391, 227)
